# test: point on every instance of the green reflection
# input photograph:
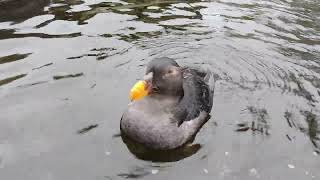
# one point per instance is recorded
(13, 57)
(312, 130)
(11, 79)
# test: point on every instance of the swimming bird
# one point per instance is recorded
(177, 104)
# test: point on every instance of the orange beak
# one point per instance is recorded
(142, 88)
(139, 90)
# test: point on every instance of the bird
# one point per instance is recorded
(177, 104)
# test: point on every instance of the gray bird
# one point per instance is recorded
(177, 106)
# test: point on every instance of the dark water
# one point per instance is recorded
(66, 68)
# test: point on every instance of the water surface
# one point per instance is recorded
(66, 68)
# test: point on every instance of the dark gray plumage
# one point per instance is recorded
(174, 112)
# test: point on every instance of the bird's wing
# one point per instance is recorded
(197, 97)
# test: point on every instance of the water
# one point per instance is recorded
(66, 68)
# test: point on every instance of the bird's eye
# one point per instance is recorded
(170, 71)
(155, 89)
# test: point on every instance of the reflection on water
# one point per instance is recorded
(13, 57)
(58, 77)
(144, 153)
(65, 65)
(86, 129)
(21, 10)
(312, 129)
(11, 79)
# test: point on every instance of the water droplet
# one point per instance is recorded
(154, 171)
(205, 171)
(226, 153)
(253, 172)
(108, 153)
(290, 166)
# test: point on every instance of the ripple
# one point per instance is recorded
(13, 57)
(264, 56)
(11, 79)
(58, 77)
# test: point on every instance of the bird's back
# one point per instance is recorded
(151, 122)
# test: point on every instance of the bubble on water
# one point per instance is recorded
(291, 166)
(205, 171)
(154, 171)
(254, 172)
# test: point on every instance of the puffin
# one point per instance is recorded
(168, 107)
